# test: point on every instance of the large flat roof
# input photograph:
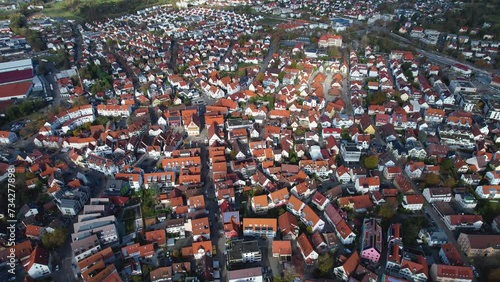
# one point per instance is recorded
(16, 65)
(14, 90)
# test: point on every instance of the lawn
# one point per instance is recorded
(58, 9)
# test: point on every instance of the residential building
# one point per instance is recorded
(437, 194)
(342, 229)
(288, 226)
(367, 184)
(260, 227)
(488, 191)
(244, 252)
(39, 264)
(450, 255)
(414, 268)
(7, 137)
(253, 274)
(282, 249)
(463, 221)
(451, 273)
(85, 247)
(346, 270)
(306, 249)
(433, 237)
(371, 240)
(413, 202)
(476, 245)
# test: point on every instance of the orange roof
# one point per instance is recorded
(305, 245)
(157, 236)
(283, 248)
(295, 203)
(197, 202)
(261, 201)
(33, 230)
(200, 226)
(102, 255)
(358, 202)
(187, 252)
(254, 222)
(351, 264)
(279, 195)
(310, 215)
(206, 246)
(454, 272)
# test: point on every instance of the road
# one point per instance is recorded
(429, 209)
(440, 58)
(267, 59)
(51, 78)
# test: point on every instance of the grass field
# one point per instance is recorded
(60, 9)
(109, 7)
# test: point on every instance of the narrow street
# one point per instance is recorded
(429, 209)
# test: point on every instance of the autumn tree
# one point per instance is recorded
(387, 210)
(432, 179)
(260, 77)
(55, 239)
(370, 162)
(378, 98)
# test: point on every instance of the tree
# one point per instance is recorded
(260, 77)
(334, 52)
(432, 179)
(233, 154)
(446, 166)
(387, 210)
(450, 182)
(325, 264)
(281, 76)
(378, 98)
(370, 162)
(309, 230)
(54, 239)
(344, 133)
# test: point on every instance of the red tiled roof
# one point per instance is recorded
(14, 89)
(40, 256)
(305, 245)
(282, 247)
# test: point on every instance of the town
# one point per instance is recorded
(291, 140)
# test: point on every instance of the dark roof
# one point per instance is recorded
(16, 75)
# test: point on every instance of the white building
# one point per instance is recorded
(437, 194)
(488, 191)
(39, 264)
(7, 137)
(253, 274)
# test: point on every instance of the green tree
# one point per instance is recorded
(334, 52)
(325, 264)
(446, 166)
(370, 162)
(344, 133)
(309, 230)
(387, 210)
(54, 239)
